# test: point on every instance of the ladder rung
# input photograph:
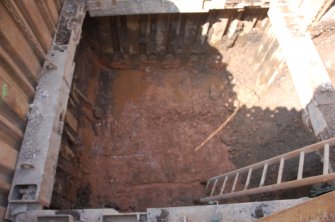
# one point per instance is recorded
(235, 182)
(224, 185)
(214, 186)
(207, 185)
(301, 165)
(265, 169)
(280, 171)
(248, 179)
(222, 189)
(326, 159)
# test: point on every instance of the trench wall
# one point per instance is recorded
(157, 36)
(191, 34)
(26, 32)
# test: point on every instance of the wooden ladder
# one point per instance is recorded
(217, 187)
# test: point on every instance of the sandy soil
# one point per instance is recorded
(137, 147)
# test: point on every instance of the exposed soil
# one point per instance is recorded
(137, 140)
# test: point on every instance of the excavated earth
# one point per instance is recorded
(145, 115)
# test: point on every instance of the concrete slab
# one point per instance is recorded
(240, 212)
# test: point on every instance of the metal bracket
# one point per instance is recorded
(34, 175)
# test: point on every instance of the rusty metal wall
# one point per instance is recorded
(320, 209)
(26, 32)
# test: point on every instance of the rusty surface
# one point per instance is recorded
(22, 51)
(320, 209)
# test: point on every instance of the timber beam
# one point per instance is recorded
(132, 7)
(34, 176)
(309, 75)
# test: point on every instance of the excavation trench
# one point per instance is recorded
(149, 89)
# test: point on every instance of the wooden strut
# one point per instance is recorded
(220, 128)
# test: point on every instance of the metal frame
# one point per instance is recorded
(34, 176)
(132, 7)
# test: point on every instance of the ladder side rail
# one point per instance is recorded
(290, 155)
(273, 187)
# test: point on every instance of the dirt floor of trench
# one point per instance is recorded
(137, 147)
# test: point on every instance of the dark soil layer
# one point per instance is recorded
(148, 114)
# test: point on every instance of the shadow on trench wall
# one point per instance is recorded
(154, 89)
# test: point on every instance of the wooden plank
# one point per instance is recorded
(326, 159)
(301, 165)
(280, 171)
(8, 156)
(301, 57)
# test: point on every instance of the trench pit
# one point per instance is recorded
(149, 89)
